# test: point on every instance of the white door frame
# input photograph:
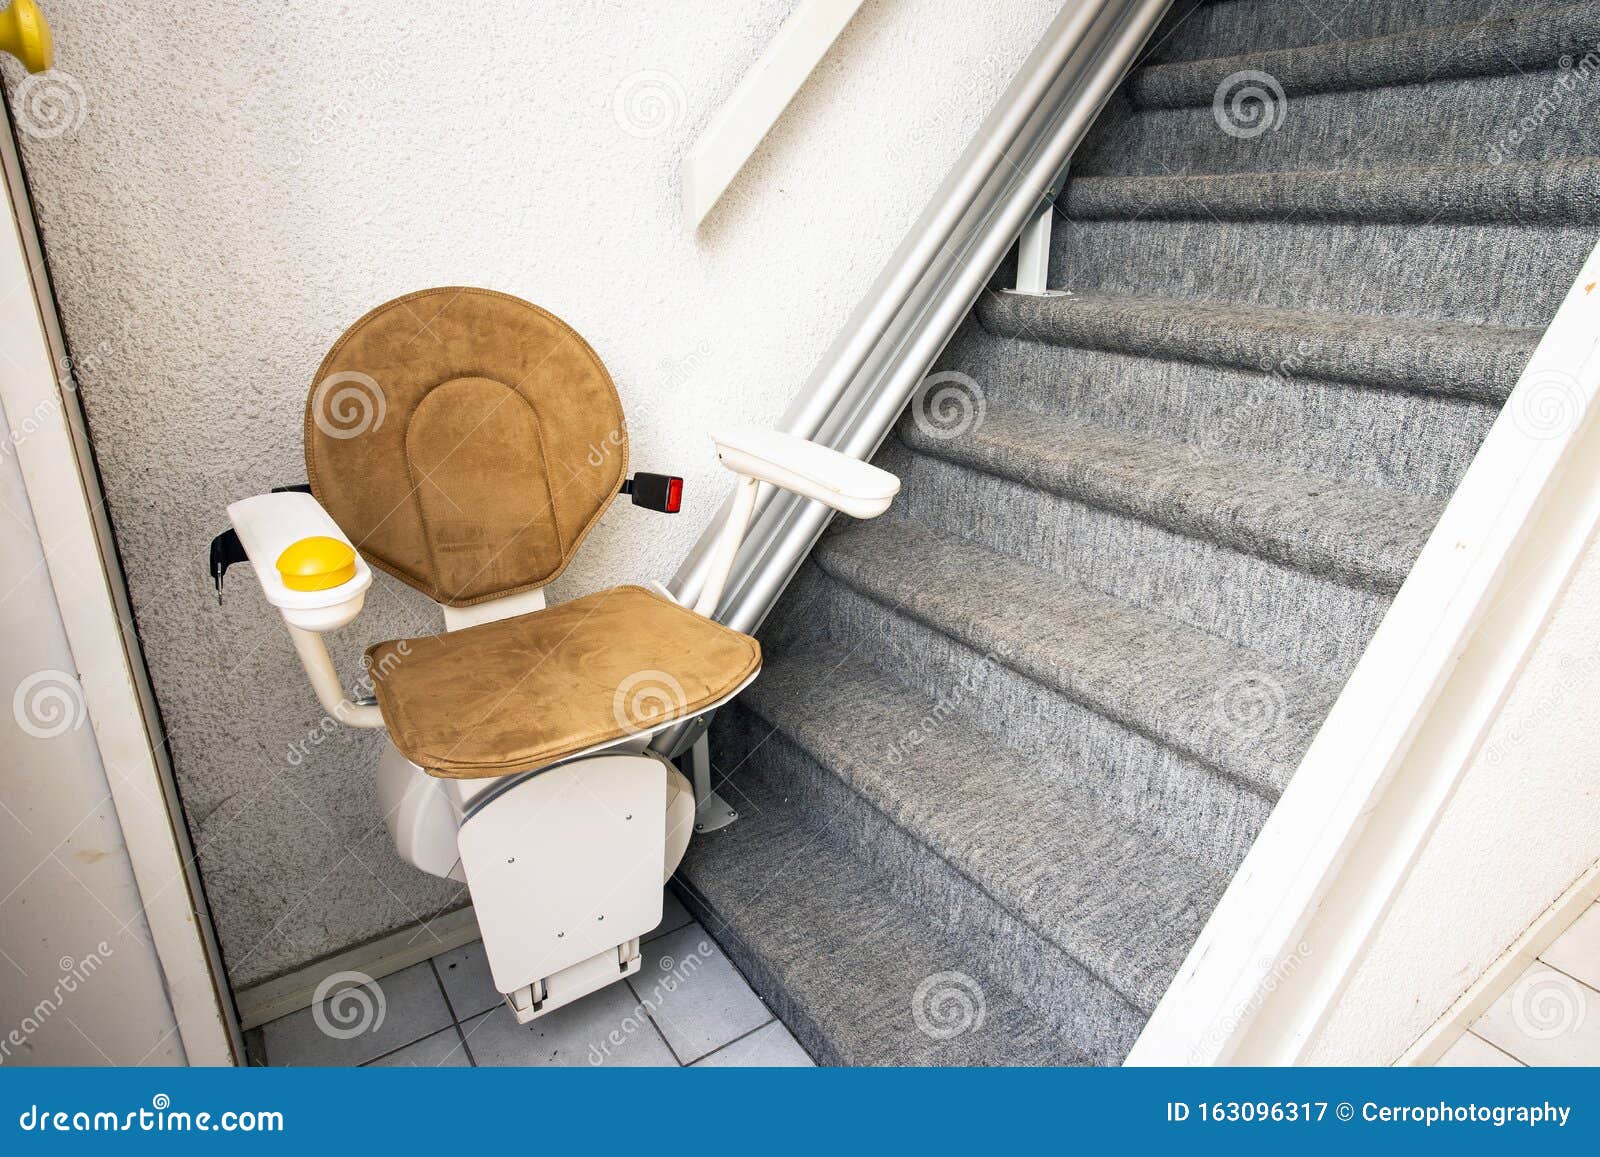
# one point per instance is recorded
(58, 471)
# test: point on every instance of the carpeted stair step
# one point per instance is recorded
(1162, 679)
(1365, 538)
(1565, 192)
(1308, 109)
(1083, 913)
(1265, 390)
(1190, 805)
(1424, 271)
(1253, 601)
(848, 965)
(1526, 40)
(1477, 362)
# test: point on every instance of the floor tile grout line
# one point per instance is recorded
(1490, 1044)
(438, 978)
(390, 1052)
(466, 1049)
(742, 1036)
(1578, 980)
(640, 1003)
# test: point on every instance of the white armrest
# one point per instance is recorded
(806, 468)
(847, 484)
(267, 524)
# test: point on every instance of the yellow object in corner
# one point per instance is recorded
(25, 35)
(317, 563)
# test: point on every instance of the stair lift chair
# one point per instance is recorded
(467, 442)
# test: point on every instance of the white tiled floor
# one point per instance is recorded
(1550, 1015)
(687, 1005)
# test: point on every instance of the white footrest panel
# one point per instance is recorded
(564, 868)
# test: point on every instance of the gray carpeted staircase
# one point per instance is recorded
(1013, 738)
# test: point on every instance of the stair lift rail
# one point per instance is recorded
(1001, 180)
(1000, 183)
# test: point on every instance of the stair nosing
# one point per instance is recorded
(1254, 780)
(1193, 83)
(1511, 193)
(1204, 332)
(1239, 528)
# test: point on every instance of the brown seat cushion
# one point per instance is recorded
(531, 690)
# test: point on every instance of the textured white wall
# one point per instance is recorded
(1521, 828)
(223, 188)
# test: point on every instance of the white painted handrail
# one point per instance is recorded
(1279, 950)
(751, 110)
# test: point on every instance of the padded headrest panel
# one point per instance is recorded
(466, 441)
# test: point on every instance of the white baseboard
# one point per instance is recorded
(293, 991)
(1500, 975)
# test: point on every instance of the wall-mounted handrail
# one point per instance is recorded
(732, 136)
(864, 381)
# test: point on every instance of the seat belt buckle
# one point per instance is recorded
(661, 492)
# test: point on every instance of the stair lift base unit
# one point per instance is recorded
(520, 759)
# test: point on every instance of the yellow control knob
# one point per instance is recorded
(25, 35)
(315, 564)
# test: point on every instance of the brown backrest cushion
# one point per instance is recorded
(466, 441)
